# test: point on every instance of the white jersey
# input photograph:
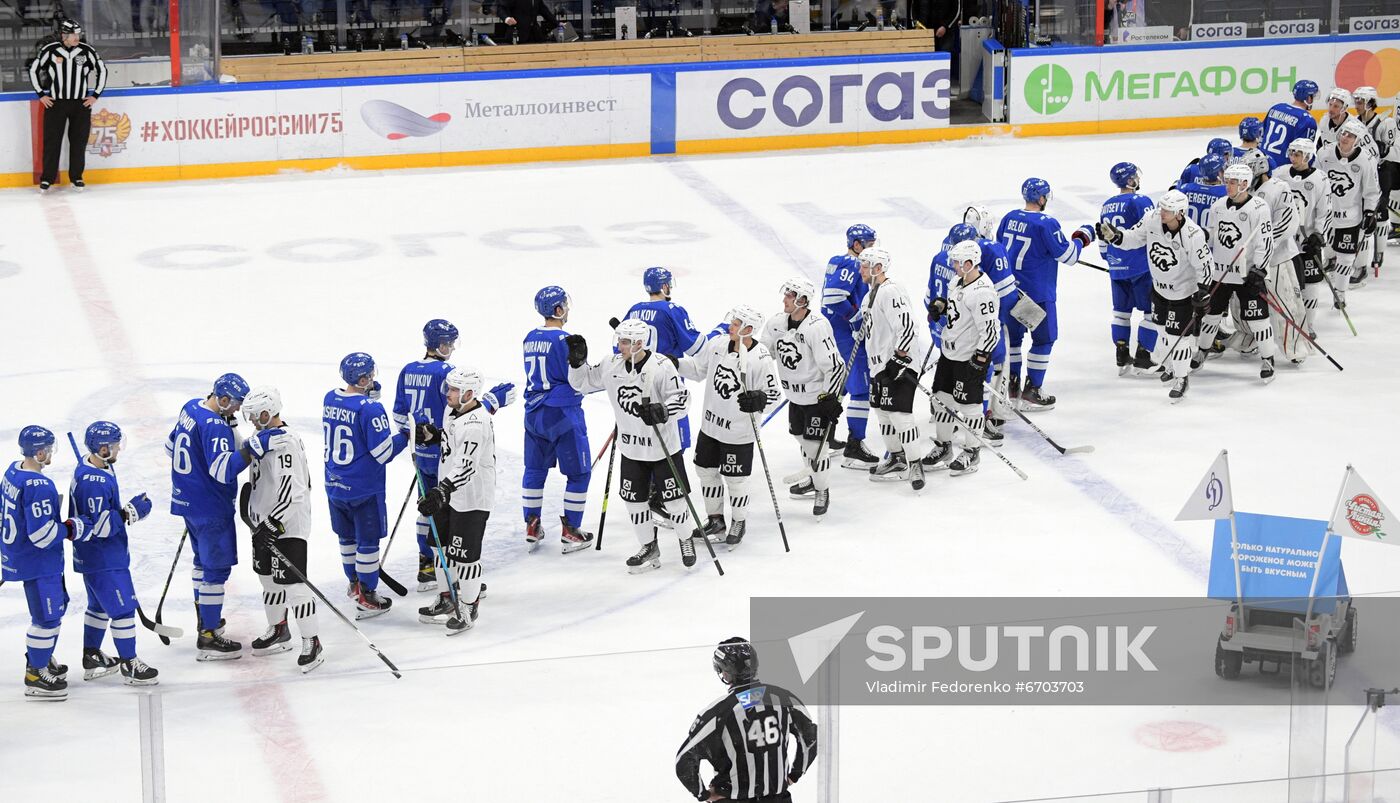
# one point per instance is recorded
(727, 373)
(891, 325)
(1283, 215)
(282, 487)
(1178, 261)
(973, 319)
(1241, 236)
(469, 458)
(1327, 135)
(1355, 184)
(1312, 195)
(655, 380)
(809, 363)
(1384, 132)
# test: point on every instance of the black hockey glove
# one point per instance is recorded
(1313, 245)
(1256, 274)
(1368, 221)
(578, 350)
(829, 407)
(752, 401)
(1200, 302)
(652, 414)
(1110, 233)
(980, 361)
(428, 435)
(266, 533)
(436, 499)
(613, 322)
(937, 308)
(894, 368)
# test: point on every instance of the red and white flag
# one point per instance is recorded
(1362, 514)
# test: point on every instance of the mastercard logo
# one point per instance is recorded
(1380, 69)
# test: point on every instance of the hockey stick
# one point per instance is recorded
(447, 574)
(845, 375)
(958, 417)
(393, 584)
(1210, 294)
(776, 410)
(1278, 307)
(606, 446)
(1062, 450)
(758, 441)
(607, 487)
(166, 632)
(1093, 265)
(186, 534)
(1341, 305)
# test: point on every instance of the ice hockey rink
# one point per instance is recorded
(579, 681)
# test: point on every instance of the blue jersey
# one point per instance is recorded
(1036, 247)
(1124, 211)
(998, 269)
(31, 535)
(722, 330)
(1201, 197)
(676, 336)
(95, 498)
(940, 277)
(359, 443)
(204, 463)
(547, 371)
(842, 292)
(1283, 124)
(422, 396)
(1190, 173)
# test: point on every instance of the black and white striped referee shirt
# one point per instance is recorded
(73, 73)
(744, 736)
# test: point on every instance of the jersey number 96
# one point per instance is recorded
(340, 444)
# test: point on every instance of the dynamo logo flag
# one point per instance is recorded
(1361, 514)
(1211, 499)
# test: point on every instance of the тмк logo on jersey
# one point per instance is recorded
(1049, 89)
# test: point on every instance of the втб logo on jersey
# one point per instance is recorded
(1049, 89)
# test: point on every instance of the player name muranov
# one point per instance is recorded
(1103, 648)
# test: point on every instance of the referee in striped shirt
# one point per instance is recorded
(744, 735)
(76, 78)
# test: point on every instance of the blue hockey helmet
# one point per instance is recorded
(1211, 166)
(961, 233)
(1033, 189)
(437, 332)
(1220, 147)
(231, 385)
(101, 433)
(34, 439)
(550, 298)
(1305, 90)
(1251, 129)
(1125, 175)
(653, 279)
(356, 366)
(861, 232)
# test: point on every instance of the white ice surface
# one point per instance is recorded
(580, 680)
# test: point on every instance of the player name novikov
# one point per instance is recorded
(1069, 648)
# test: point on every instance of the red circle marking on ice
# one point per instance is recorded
(1179, 736)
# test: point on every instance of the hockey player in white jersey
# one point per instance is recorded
(1312, 194)
(895, 339)
(279, 511)
(1383, 131)
(1355, 183)
(811, 370)
(1281, 281)
(739, 382)
(973, 326)
(1241, 236)
(648, 398)
(1180, 263)
(460, 504)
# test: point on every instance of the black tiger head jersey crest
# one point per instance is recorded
(788, 354)
(629, 398)
(1228, 233)
(1342, 182)
(1162, 256)
(726, 382)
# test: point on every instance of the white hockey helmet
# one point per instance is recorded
(876, 257)
(1257, 161)
(262, 399)
(1174, 201)
(749, 319)
(804, 290)
(465, 379)
(1364, 97)
(965, 251)
(1340, 94)
(1239, 171)
(1303, 145)
(635, 330)
(979, 217)
(1354, 127)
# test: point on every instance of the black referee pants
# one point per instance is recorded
(78, 120)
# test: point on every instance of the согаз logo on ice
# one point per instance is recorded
(392, 121)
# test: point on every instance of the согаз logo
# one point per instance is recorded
(1049, 89)
(392, 121)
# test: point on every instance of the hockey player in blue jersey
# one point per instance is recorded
(420, 400)
(1036, 247)
(32, 530)
(1251, 132)
(1219, 147)
(1129, 281)
(206, 457)
(842, 294)
(1287, 122)
(359, 443)
(998, 269)
(1205, 190)
(101, 555)
(555, 430)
